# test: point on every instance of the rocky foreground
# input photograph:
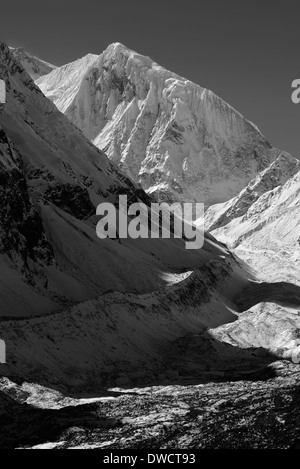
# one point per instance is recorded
(258, 409)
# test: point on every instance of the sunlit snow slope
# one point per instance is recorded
(262, 226)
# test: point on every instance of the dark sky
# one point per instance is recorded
(247, 52)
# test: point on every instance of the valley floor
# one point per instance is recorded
(233, 386)
(257, 410)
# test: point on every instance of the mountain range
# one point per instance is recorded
(82, 316)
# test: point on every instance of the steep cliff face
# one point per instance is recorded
(34, 66)
(180, 141)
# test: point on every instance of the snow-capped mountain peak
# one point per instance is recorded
(179, 140)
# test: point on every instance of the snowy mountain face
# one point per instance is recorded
(277, 174)
(180, 141)
(270, 224)
(34, 66)
(262, 226)
(266, 213)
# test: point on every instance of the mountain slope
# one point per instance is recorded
(89, 345)
(180, 141)
(272, 219)
(52, 179)
(262, 226)
(267, 236)
(63, 86)
(34, 66)
(277, 174)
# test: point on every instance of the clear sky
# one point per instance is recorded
(245, 51)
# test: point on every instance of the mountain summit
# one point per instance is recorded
(179, 140)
